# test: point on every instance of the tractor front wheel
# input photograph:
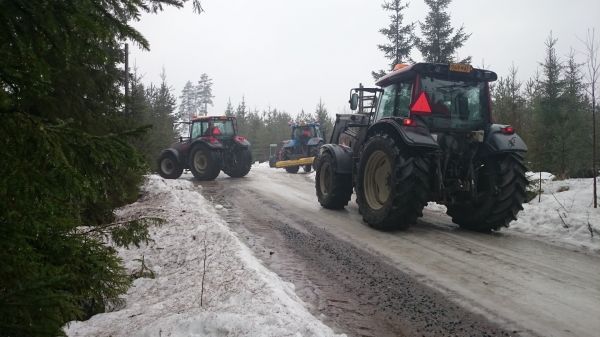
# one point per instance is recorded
(290, 169)
(334, 190)
(307, 168)
(169, 167)
(205, 163)
(392, 184)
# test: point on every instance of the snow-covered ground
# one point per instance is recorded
(565, 213)
(241, 297)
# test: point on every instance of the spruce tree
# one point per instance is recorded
(509, 103)
(66, 138)
(574, 130)
(229, 111)
(187, 107)
(550, 110)
(399, 36)
(240, 115)
(154, 106)
(304, 117)
(322, 116)
(439, 42)
(203, 94)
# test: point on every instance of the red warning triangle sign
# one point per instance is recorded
(421, 105)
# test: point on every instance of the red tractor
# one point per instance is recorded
(212, 145)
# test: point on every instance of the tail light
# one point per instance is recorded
(507, 130)
(408, 122)
(239, 139)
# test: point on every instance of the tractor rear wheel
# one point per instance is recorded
(334, 190)
(501, 185)
(292, 169)
(242, 162)
(169, 167)
(392, 184)
(205, 163)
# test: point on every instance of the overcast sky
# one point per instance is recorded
(288, 54)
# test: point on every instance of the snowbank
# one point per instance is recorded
(241, 297)
(564, 214)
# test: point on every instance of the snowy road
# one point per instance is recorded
(526, 286)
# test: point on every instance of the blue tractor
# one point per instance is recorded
(302, 148)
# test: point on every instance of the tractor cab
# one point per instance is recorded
(219, 127)
(302, 133)
(441, 97)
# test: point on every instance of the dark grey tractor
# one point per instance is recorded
(212, 145)
(424, 134)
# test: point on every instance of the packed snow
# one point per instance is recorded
(241, 297)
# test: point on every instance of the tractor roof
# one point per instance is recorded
(303, 124)
(208, 118)
(453, 71)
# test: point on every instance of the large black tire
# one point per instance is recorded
(205, 163)
(169, 167)
(292, 169)
(242, 162)
(501, 186)
(334, 190)
(392, 184)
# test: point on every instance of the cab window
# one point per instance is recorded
(456, 104)
(196, 129)
(226, 128)
(395, 101)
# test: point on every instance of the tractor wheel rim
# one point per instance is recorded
(200, 161)
(167, 166)
(325, 178)
(376, 180)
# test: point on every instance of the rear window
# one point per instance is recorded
(225, 127)
(456, 104)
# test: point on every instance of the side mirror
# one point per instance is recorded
(353, 101)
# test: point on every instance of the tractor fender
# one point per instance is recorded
(314, 141)
(174, 152)
(206, 142)
(241, 142)
(498, 142)
(342, 156)
(412, 136)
